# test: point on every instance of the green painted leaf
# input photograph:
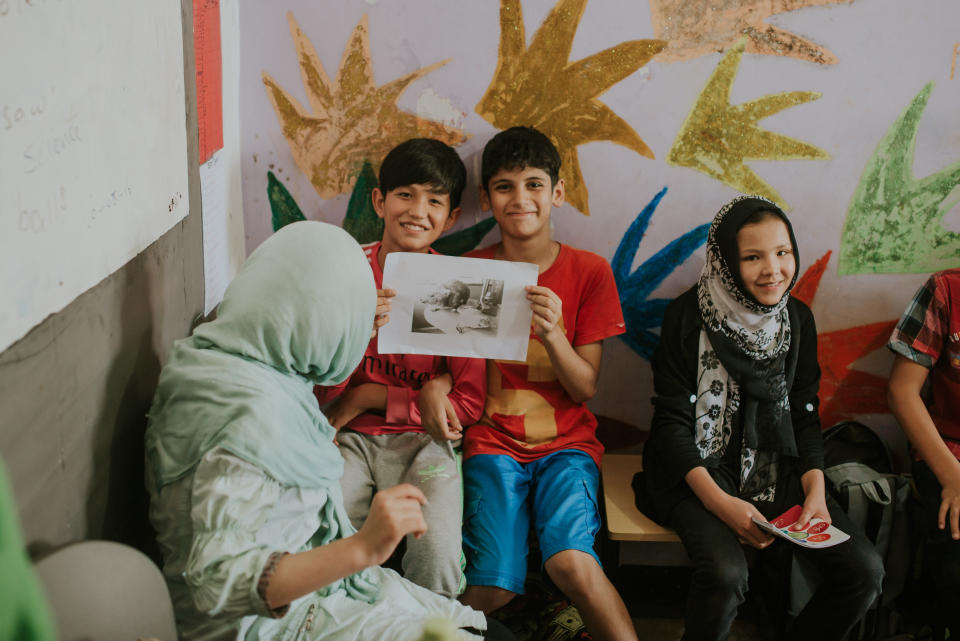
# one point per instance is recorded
(895, 222)
(284, 209)
(361, 220)
(459, 243)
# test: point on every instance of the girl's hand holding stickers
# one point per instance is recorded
(815, 506)
(739, 516)
(814, 533)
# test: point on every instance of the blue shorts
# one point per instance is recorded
(502, 495)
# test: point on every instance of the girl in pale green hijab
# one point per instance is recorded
(244, 475)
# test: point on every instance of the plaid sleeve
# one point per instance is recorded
(921, 332)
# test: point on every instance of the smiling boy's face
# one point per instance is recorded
(414, 216)
(521, 201)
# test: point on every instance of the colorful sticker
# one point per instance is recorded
(817, 528)
(817, 534)
(788, 518)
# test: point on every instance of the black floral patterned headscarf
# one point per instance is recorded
(744, 347)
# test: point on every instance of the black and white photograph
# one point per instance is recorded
(457, 306)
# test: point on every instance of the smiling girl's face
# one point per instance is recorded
(767, 262)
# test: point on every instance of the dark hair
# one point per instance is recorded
(424, 161)
(761, 215)
(516, 148)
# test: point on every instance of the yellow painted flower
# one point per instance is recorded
(350, 120)
(717, 137)
(538, 86)
(696, 28)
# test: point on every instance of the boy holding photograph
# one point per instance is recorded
(394, 416)
(534, 457)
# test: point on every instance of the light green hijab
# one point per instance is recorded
(298, 313)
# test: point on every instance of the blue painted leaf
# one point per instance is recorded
(651, 273)
(627, 249)
(641, 313)
(642, 343)
(652, 310)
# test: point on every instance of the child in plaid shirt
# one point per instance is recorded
(926, 342)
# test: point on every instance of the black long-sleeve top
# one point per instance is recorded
(670, 452)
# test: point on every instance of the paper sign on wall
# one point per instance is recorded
(93, 147)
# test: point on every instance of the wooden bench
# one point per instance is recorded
(639, 540)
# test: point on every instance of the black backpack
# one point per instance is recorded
(859, 474)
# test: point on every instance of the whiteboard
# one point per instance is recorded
(93, 146)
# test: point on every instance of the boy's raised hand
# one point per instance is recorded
(394, 513)
(383, 308)
(547, 309)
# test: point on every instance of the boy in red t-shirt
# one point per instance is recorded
(926, 342)
(398, 414)
(534, 457)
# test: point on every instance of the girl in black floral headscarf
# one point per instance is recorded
(736, 435)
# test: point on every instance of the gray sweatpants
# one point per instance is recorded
(373, 463)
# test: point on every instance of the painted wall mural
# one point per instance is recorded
(845, 393)
(283, 208)
(718, 137)
(642, 314)
(685, 85)
(361, 220)
(351, 121)
(540, 87)
(895, 221)
(698, 27)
